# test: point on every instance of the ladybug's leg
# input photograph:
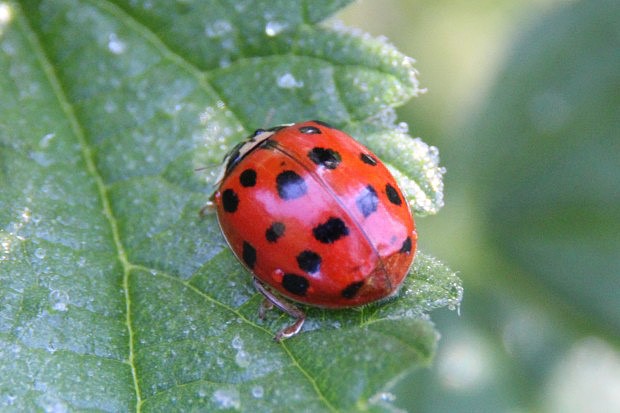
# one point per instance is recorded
(265, 306)
(283, 305)
(207, 208)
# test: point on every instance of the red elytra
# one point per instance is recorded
(316, 217)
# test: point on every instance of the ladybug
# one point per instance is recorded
(316, 218)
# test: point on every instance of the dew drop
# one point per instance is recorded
(110, 106)
(227, 399)
(39, 253)
(237, 343)
(52, 404)
(242, 359)
(225, 61)
(288, 81)
(258, 391)
(273, 28)
(115, 45)
(386, 396)
(218, 28)
(45, 140)
(402, 127)
(58, 300)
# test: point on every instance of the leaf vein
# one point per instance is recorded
(88, 157)
(283, 345)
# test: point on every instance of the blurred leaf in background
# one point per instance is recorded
(549, 157)
(525, 104)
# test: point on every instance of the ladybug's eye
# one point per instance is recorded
(256, 133)
(233, 153)
(233, 157)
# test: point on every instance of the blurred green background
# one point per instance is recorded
(523, 103)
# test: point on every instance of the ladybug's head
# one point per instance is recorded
(242, 149)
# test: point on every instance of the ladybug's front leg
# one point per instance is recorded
(210, 205)
(283, 305)
(265, 306)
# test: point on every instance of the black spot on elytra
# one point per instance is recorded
(275, 231)
(406, 247)
(248, 178)
(230, 200)
(310, 130)
(326, 157)
(352, 289)
(320, 122)
(392, 195)
(367, 201)
(331, 230)
(309, 261)
(367, 159)
(290, 185)
(249, 254)
(295, 284)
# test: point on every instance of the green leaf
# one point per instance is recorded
(549, 151)
(115, 294)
